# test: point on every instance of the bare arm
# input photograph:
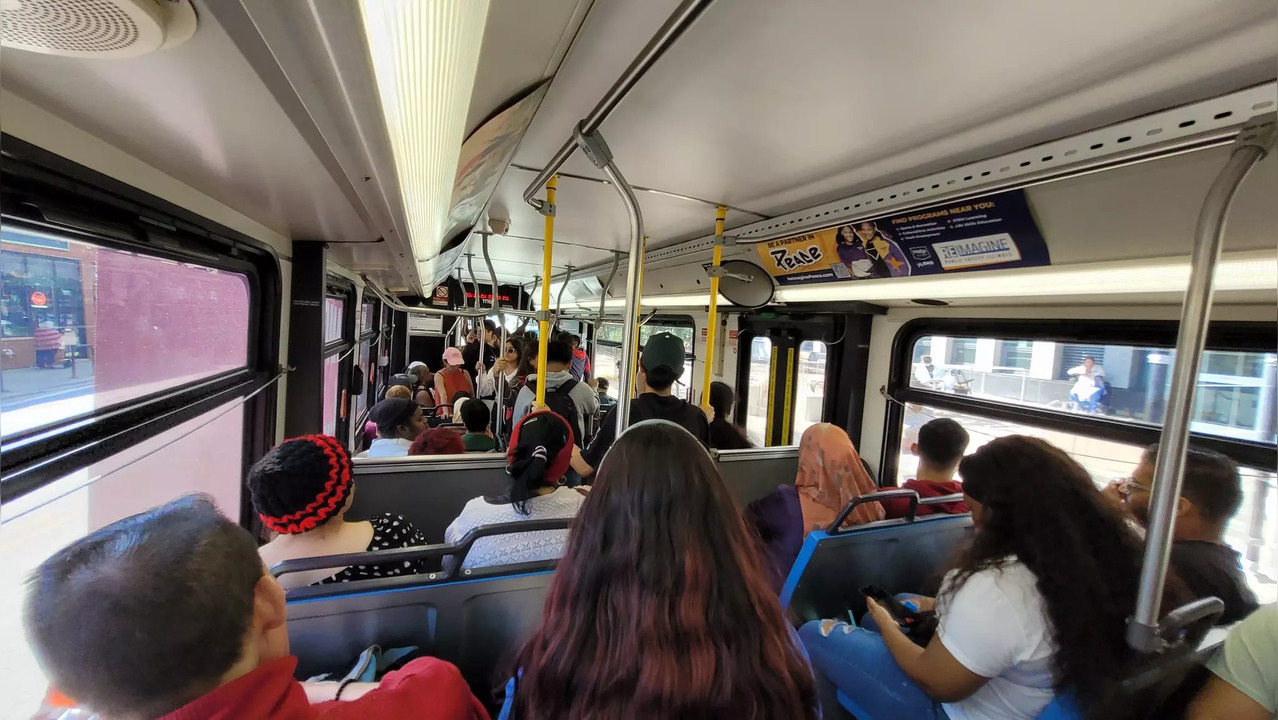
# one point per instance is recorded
(933, 668)
(1218, 700)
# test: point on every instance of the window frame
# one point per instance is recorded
(46, 193)
(1221, 336)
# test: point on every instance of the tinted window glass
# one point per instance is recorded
(1236, 396)
(86, 327)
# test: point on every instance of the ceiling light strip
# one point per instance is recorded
(425, 56)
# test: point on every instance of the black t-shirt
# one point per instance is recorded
(726, 436)
(649, 406)
(470, 356)
(1212, 569)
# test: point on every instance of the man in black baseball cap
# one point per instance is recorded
(660, 364)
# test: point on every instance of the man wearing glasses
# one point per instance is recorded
(1210, 495)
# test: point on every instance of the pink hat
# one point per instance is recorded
(453, 356)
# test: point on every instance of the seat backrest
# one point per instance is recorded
(899, 556)
(430, 492)
(751, 474)
(476, 619)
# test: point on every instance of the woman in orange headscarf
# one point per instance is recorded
(830, 476)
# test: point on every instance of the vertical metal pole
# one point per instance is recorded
(597, 151)
(712, 324)
(499, 378)
(634, 317)
(603, 295)
(543, 319)
(1169, 465)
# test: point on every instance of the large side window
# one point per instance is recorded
(88, 327)
(759, 386)
(1099, 393)
(138, 361)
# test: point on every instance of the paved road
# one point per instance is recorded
(24, 387)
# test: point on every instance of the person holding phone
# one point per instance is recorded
(1036, 606)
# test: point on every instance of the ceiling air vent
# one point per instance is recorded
(95, 28)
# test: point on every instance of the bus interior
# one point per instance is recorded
(237, 221)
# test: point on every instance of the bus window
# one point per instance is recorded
(1235, 398)
(608, 357)
(760, 384)
(205, 456)
(1251, 531)
(332, 364)
(810, 392)
(85, 327)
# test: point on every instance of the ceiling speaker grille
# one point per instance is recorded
(83, 27)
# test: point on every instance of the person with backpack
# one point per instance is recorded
(660, 364)
(574, 401)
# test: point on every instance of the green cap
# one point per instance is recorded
(663, 350)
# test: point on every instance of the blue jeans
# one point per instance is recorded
(869, 682)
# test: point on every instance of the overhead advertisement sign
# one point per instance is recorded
(994, 232)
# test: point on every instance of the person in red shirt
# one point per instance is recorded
(940, 447)
(170, 614)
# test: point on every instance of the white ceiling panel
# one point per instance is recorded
(775, 105)
(199, 113)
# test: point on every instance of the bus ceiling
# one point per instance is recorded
(786, 113)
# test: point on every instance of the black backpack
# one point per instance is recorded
(561, 403)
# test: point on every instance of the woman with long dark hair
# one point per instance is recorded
(723, 434)
(1036, 606)
(660, 607)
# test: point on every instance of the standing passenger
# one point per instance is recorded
(723, 434)
(559, 381)
(830, 476)
(168, 614)
(660, 364)
(450, 380)
(580, 367)
(659, 608)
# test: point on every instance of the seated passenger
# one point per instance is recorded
(438, 441)
(538, 457)
(560, 382)
(403, 392)
(1244, 682)
(723, 434)
(1036, 605)
(830, 476)
(423, 386)
(660, 364)
(398, 421)
(778, 519)
(606, 401)
(1210, 495)
(302, 489)
(659, 608)
(478, 437)
(168, 614)
(941, 444)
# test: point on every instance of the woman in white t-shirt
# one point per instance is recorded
(541, 448)
(1037, 604)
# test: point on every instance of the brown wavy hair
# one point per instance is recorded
(660, 607)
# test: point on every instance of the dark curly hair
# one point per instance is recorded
(1042, 507)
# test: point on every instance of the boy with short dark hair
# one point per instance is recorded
(475, 416)
(940, 447)
(170, 614)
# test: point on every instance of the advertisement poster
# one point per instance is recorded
(994, 232)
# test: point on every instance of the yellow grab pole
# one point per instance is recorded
(634, 384)
(543, 324)
(713, 322)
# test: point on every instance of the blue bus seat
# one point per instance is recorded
(906, 555)
(476, 619)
